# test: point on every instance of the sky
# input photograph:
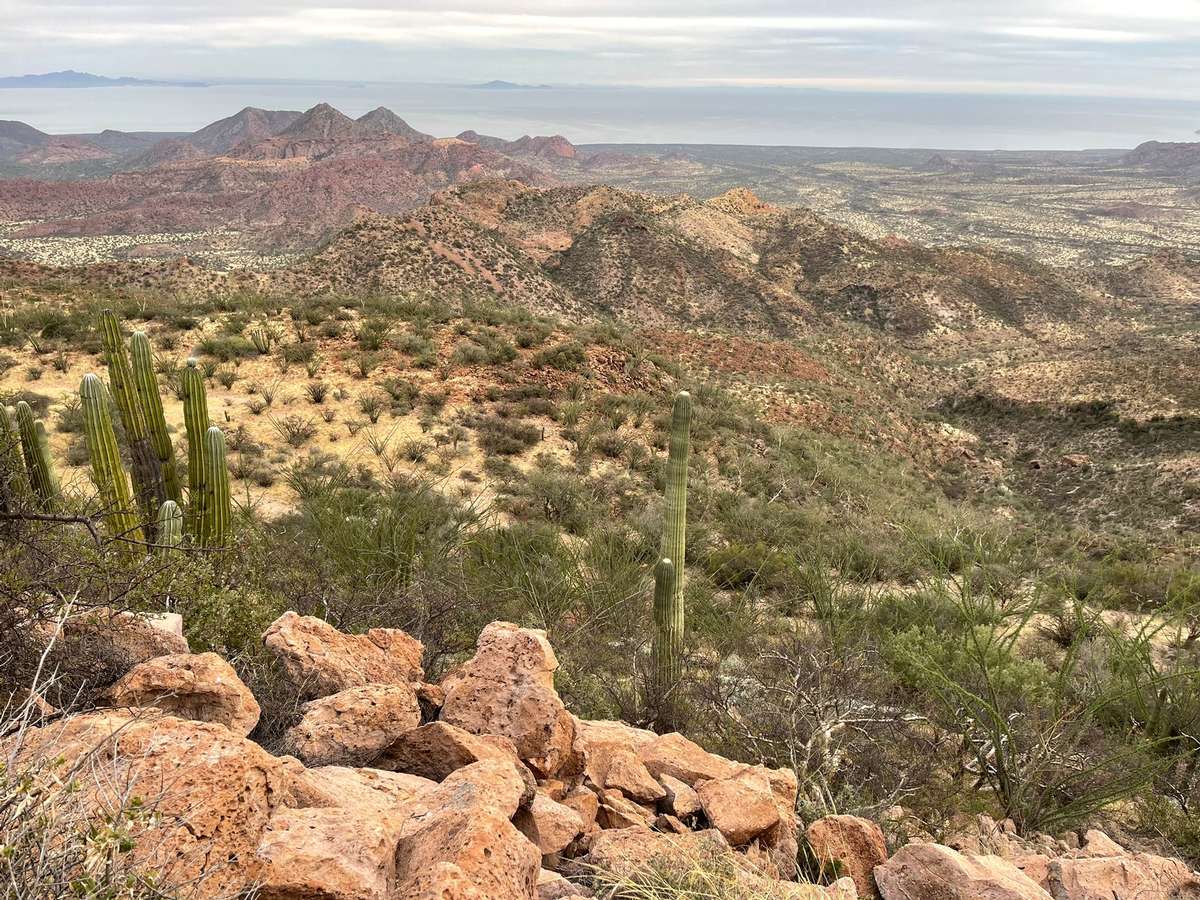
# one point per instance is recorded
(1101, 48)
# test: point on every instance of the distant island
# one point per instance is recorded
(69, 78)
(509, 86)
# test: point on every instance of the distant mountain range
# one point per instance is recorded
(69, 78)
(498, 85)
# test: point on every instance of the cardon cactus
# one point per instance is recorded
(146, 382)
(14, 480)
(169, 526)
(669, 612)
(218, 510)
(109, 476)
(147, 470)
(195, 421)
(36, 448)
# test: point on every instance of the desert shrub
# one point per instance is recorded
(567, 356)
(506, 437)
(226, 348)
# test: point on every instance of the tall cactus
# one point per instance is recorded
(36, 448)
(195, 421)
(218, 510)
(120, 513)
(147, 470)
(669, 573)
(169, 526)
(14, 480)
(145, 381)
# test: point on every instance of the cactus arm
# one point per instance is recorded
(218, 512)
(169, 528)
(145, 381)
(195, 420)
(120, 513)
(36, 448)
(14, 478)
(147, 470)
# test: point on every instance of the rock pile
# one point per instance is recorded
(486, 786)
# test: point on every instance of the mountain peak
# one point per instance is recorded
(382, 120)
(321, 122)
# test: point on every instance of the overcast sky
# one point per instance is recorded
(1149, 48)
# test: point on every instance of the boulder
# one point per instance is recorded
(507, 689)
(550, 825)
(327, 853)
(458, 836)
(680, 800)
(390, 793)
(352, 727)
(201, 686)
(322, 660)
(213, 792)
(935, 872)
(552, 886)
(673, 754)
(741, 808)
(626, 773)
(599, 740)
(439, 748)
(1129, 876)
(585, 802)
(849, 845)
(618, 811)
(783, 839)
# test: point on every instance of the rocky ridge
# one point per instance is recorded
(485, 786)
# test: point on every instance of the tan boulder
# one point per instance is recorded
(201, 686)
(507, 689)
(437, 749)
(783, 839)
(322, 660)
(550, 825)
(327, 853)
(674, 755)
(1129, 876)
(849, 845)
(599, 740)
(552, 886)
(213, 792)
(585, 802)
(681, 801)
(618, 811)
(464, 823)
(741, 808)
(352, 727)
(627, 774)
(369, 789)
(935, 872)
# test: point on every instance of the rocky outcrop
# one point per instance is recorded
(936, 872)
(352, 727)
(321, 660)
(198, 686)
(507, 689)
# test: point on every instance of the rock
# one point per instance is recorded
(618, 811)
(626, 773)
(935, 872)
(783, 839)
(431, 697)
(507, 688)
(667, 823)
(1097, 843)
(390, 793)
(354, 726)
(552, 886)
(674, 755)
(550, 825)
(322, 660)
(738, 807)
(459, 836)
(585, 802)
(202, 687)
(855, 846)
(439, 748)
(681, 801)
(329, 853)
(212, 791)
(1128, 876)
(598, 740)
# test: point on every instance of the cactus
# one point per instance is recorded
(195, 419)
(668, 575)
(262, 338)
(146, 382)
(169, 526)
(36, 448)
(107, 472)
(218, 512)
(14, 480)
(145, 464)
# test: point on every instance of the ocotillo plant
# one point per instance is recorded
(147, 470)
(169, 528)
(669, 612)
(146, 382)
(195, 420)
(36, 449)
(14, 481)
(218, 510)
(107, 472)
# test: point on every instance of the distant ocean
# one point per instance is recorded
(779, 116)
